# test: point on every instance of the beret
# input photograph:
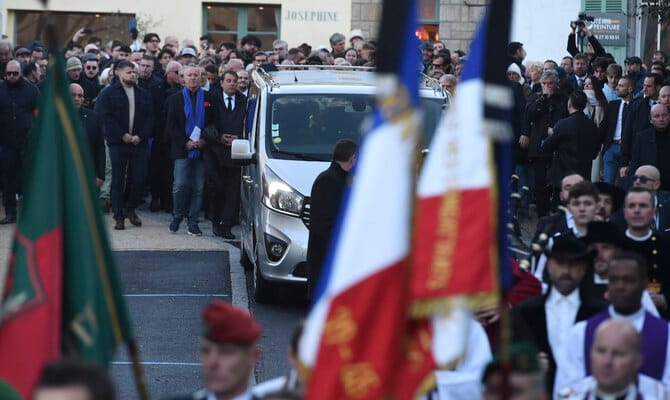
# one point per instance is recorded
(225, 323)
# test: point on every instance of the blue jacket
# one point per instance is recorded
(112, 105)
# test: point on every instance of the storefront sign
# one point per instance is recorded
(609, 28)
(310, 16)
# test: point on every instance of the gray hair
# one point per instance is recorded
(283, 43)
(336, 37)
(550, 74)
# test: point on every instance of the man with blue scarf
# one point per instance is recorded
(190, 113)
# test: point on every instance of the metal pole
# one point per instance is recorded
(658, 34)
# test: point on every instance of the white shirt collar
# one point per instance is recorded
(600, 281)
(637, 318)
(639, 239)
(556, 297)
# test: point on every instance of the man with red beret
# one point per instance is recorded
(228, 353)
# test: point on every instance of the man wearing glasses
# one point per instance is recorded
(152, 47)
(281, 48)
(648, 177)
(18, 104)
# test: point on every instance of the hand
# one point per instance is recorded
(190, 145)
(623, 171)
(78, 35)
(659, 300)
(201, 143)
(127, 138)
(135, 140)
(488, 316)
(227, 139)
(99, 182)
(543, 360)
(550, 131)
(524, 141)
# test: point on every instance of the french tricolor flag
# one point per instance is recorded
(351, 337)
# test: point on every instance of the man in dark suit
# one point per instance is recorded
(611, 128)
(90, 121)
(325, 200)
(651, 146)
(223, 176)
(191, 114)
(574, 140)
(545, 319)
(638, 119)
(127, 116)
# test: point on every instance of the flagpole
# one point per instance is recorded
(140, 380)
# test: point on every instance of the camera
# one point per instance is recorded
(582, 18)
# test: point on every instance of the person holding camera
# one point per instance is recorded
(580, 31)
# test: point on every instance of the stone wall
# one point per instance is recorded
(458, 19)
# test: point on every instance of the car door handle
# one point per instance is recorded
(247, 179)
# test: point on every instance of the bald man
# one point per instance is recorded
(90, 121)
(652, 146)
(615, 358)
(649, 177)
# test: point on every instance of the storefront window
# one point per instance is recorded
(30, 25)
(429, 20)
(231, 22)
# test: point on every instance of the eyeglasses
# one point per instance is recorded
(643, 179)
(12, 73)
(91, 67)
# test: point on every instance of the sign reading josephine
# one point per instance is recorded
(609, 28)
(311, 16)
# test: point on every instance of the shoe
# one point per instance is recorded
(9, 219)
(194, 230)
(154, 206)
(217, 229)
(106, 205)
(226, 233)
(133, 218)
(120, 225)
(174, 225)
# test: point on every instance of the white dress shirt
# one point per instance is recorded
(561, 312)
(571, 366)
(232, 101)
(619, 121)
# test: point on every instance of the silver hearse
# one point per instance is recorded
(298, 115)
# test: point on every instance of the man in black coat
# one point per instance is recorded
(543, 111)
(574, 140)
(90, 121)
(223, 176)
(325, 200)
(638, 119)
(18, 103)
(652, 146)
(545, 319)
(127, 116)
(187, 147)
(616, 115)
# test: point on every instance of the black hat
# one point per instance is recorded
(604, 232)
(21, 50)
(616, 192)
(569, 248)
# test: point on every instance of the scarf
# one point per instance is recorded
(194, 120)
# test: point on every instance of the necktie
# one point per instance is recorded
(230, 103)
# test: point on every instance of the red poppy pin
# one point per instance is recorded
(206, 104)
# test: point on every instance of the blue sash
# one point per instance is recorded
(194, 120)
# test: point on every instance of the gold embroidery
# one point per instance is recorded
(359, 379)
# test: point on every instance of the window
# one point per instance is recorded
(231, 22)
(30, 25)
(429, 20)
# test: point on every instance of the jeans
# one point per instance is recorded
(133, 159)
(10, 175)
(189, 180)
(611, 161)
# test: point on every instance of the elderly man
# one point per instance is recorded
(281, 48)
(228, 353)
(243, 82)
(616, 356)
(651, 146)
(627, 281)
(18, 105)
(92, 124)
(190, 112)
(338, 45)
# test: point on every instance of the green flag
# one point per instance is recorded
(61, 266)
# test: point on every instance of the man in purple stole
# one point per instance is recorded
(627, 281)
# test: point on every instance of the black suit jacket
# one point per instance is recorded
(643, 150)
(575, 143)
(608, 126)
(529, 322)
(112, 105)
(92, 124)
(637, 121)
(175, 125)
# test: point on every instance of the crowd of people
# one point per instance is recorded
(589, 307)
